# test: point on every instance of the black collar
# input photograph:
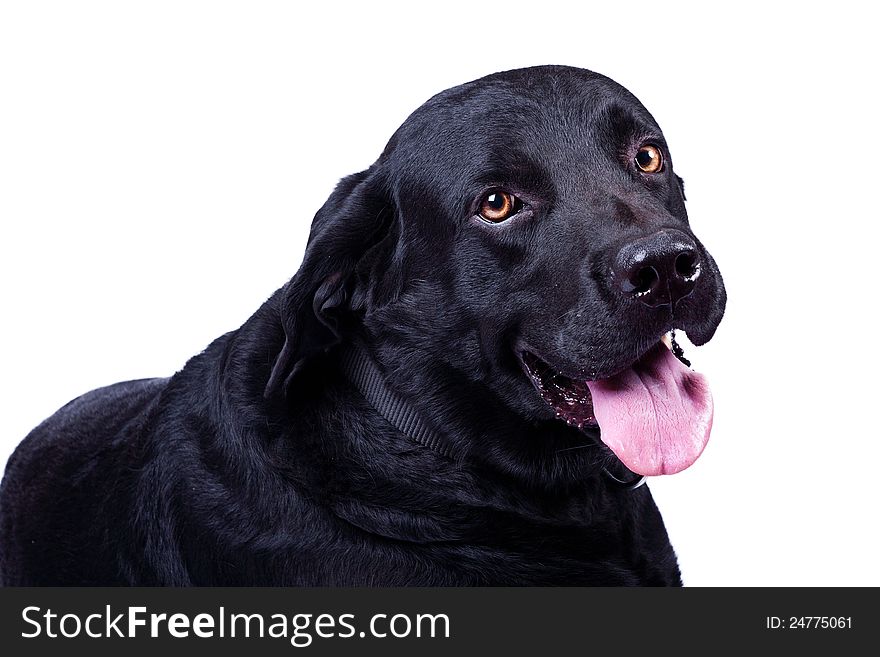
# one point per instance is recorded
(363, 372)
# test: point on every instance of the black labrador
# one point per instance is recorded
(462, 384)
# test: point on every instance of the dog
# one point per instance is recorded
(462, 385)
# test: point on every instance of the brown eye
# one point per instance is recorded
(649, 159)
(498, 206)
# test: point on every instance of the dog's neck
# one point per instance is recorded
(491, 435)
(360, 369)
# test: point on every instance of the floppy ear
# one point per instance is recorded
(354, 222)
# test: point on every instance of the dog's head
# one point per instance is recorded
(526, 232)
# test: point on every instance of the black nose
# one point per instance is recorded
(658, 269)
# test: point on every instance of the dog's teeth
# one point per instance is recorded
(667, 340)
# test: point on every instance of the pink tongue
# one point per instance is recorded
(655, 416)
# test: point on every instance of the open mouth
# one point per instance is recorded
(569, 398)
(655, 415)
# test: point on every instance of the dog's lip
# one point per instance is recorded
(521, 348)
(575, 373)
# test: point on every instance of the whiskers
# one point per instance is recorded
(569, 449)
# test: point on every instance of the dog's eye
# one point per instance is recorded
(649, 159)
(498, 206)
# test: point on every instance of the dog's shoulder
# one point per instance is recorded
(63, 481)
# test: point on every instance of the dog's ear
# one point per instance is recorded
(353, 227)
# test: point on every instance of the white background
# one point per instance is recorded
(160, 163)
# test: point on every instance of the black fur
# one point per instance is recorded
(259, 463)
